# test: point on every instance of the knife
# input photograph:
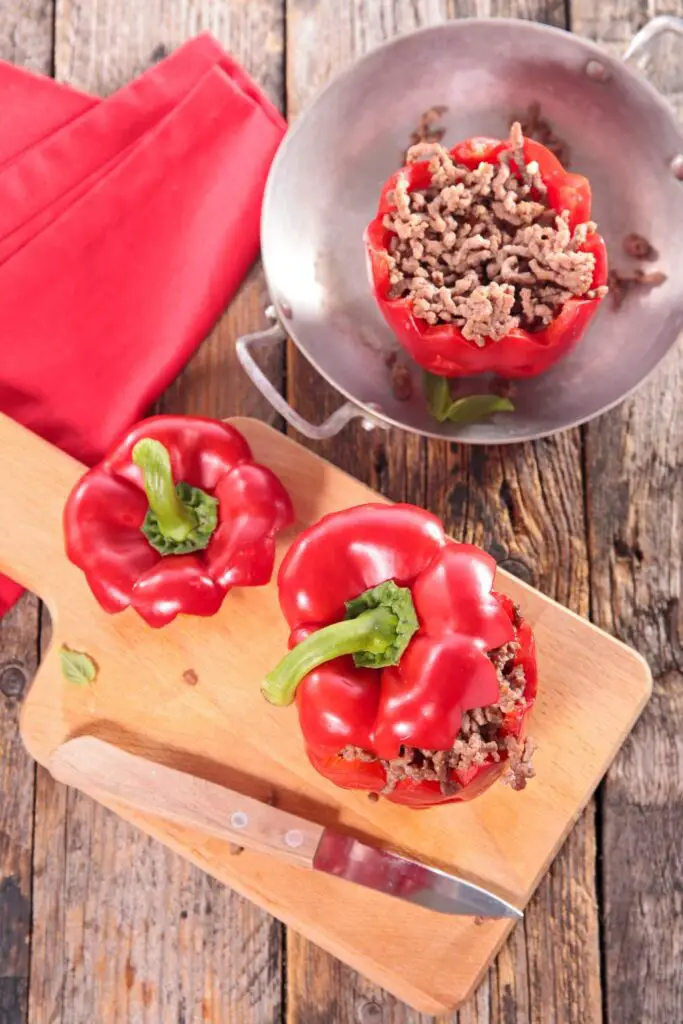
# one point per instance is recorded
(92, 765)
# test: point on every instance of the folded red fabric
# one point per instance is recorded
(34, 107)
(126, 225)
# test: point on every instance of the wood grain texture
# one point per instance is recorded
(221, 729)
(179, 947)
(96, 767)
(26, 31)
(322, 39)
(634, 462)
(48, 927)
(525, 505)
(18, 662)
(150, 938)
(49, 960)
(631, 456)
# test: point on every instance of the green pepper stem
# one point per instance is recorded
(175, 521)
(373, 631)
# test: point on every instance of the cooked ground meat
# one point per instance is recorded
(638, 247)
(519, 767)
(428, 128)
(621, 282)
(479, 741)
(401, 382)
(481, 249)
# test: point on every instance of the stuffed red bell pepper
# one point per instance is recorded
(412, 677)
(174, 517)
(484, 257)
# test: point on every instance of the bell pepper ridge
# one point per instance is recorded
(442, 348)
(165, 548)
(379, 626)
(357, 714)
(172, 525)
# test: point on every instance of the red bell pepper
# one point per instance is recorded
(163, 547)
(391, 622)
(442, 349)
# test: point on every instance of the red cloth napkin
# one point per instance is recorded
(126, 226)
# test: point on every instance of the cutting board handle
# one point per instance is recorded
(35, 481)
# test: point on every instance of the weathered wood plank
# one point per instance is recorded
(213, 382)
(18, 649)
(25, 39)
(322, 39)
(125, 931)
(26, 33)
(525, 504)
(48, 926)
(634, 460)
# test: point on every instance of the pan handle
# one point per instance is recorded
(275, 335)
(640, 44)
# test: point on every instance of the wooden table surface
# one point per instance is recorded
(100, 925)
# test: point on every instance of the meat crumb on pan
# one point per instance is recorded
(536, 126)
(401, 382)
(481, 249)
(400, 376)
(482, 739)
(639, 247)
(622, 281)
(429, 127)
(653, 278)
(503, 387)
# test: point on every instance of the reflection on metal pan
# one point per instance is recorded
(325, 181)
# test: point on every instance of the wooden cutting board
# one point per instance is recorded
(188, 696)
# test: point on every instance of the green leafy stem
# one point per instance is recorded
(378, 627)
(181, 519)
(468, 409)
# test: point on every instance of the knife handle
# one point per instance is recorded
(94, 766)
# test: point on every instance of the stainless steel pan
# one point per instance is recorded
(324, 185)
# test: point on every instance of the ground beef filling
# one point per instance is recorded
(480, 740)
(481, 249)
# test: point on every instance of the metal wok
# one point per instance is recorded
(324, 185)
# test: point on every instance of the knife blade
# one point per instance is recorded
(101, 768)
(395, 875)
